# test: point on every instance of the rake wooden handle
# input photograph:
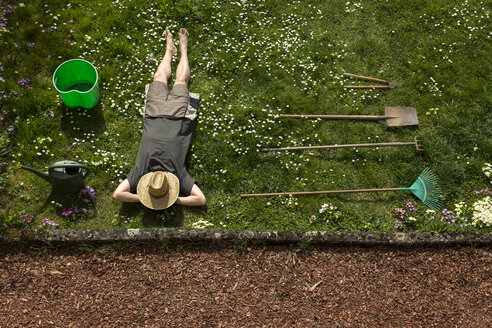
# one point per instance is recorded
(384, 144)
(297, 193)
(367, 87)
(341, 117)
(361, 77)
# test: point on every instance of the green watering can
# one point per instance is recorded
(64, 176)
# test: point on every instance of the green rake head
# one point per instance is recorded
(427, 189)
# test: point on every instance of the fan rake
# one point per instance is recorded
(426, 188)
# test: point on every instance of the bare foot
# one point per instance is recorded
(170, 43)
(183, 39)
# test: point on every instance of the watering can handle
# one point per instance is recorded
(75, 166)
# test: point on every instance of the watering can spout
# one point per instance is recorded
(43, 175)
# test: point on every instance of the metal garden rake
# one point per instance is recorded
(426, 188)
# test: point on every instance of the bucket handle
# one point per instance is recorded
(75, 166)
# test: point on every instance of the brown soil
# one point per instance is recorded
(213, 286)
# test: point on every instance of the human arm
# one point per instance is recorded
(196, 198)
(123, 194)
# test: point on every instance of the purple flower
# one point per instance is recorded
(72, 31)
(67, 212)
(400, 212)
(88, 194)
(27, 218)
(1, 66)
(2, 79)
(398, 224)
(49, 223)
(448, 216)
(30, 44)
(11, 128)
(25, 82)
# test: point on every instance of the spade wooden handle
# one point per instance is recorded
(340, 117)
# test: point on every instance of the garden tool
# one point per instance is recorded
(394, 116)
(426, 188)
(417, 143)
(388, 85)
(64, 176)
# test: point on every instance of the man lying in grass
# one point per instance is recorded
(159, 178)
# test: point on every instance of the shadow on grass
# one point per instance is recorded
(77, 121)
(69, 201)
(170, 217)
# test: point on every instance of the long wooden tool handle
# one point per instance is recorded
(340, 117)
(367, 87)
(384, 144)
(297, 193)
(361, 77)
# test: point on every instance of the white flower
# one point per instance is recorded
(487, 170)
(201, 224)
(458, 208)
(482, 212)
(412, 219)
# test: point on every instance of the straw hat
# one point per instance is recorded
(158, 190)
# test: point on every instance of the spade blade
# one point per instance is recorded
(401, 116)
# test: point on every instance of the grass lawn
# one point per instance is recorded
(251, 61)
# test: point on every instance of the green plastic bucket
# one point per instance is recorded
(76, 82)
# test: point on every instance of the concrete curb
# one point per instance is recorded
(10, 236)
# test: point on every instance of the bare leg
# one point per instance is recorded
(183, 70)
(164, 72)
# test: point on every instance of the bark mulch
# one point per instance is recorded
(260, 286)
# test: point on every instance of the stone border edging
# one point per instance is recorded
(253, 236)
